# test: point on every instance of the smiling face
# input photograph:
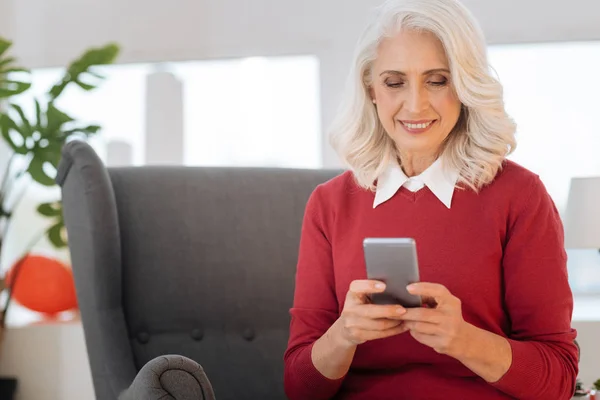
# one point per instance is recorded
(411, 86)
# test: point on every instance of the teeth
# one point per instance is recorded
(417, 126)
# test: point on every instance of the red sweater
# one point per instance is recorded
(500, 252)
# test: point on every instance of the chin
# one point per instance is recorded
(418, 145)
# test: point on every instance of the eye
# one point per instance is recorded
(439, 82)
(394, 84)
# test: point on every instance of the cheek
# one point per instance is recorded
(388, 105)
(448, 107)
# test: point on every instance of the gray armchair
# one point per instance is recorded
(184, 276)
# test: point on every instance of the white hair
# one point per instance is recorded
(484, 134)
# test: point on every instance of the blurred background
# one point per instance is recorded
(256, 83)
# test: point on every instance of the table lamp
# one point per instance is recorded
(582, 216)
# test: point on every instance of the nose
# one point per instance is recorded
(418, 100)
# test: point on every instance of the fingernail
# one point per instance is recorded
(379, 286)
(411, 286)
(400, 310)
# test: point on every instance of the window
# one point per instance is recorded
(552, 93)
(248, 112)
(260, 112)
(252, 112)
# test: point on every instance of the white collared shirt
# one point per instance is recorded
(439, 179)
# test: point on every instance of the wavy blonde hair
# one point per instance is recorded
(483, 136)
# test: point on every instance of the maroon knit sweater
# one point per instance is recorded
(499, 251)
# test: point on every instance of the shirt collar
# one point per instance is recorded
(438, 178)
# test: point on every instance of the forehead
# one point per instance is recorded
(411, 51)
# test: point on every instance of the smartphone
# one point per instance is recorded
(394, 262)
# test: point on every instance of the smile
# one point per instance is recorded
(417, 126)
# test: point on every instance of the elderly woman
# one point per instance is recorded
(426, 137)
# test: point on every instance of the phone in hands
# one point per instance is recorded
(394, 262)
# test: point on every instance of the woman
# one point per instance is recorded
(426, 137)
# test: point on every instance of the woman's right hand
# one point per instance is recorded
(362, 321)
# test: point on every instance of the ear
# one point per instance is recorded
(372, 94)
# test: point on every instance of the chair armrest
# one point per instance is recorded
(170, 377)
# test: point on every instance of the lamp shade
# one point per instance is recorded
(582, 217)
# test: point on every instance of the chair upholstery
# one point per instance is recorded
(170, 377)
(190, 261)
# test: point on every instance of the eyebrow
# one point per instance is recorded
(428, 72)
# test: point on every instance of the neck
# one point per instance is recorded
(413, 165)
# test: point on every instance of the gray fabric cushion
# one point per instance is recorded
(192, 261)
(170, 377)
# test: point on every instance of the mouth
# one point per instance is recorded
(418, 126)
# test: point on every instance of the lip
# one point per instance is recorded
(417, 130)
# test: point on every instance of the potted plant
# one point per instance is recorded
(35, 144)
(595, 390)
(580, 390)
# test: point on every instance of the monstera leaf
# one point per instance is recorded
(37, 137)
(41, 139)
(10, 87)
(79, 70)
(57, 233)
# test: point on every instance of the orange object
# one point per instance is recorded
(43, 285)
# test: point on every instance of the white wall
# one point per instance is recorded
(51, 32)
(587, 336)
(50, 362)
(6, 20)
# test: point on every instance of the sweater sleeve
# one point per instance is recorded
(539, 302)
(314, 310)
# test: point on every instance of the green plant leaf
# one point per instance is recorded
(22, 127)
(8, 86)
(97, 75)
(56, 119)
(50, 209)
(12, 88)
(5, 62)
(85, 86)
(4, 213)
(4, 45)
(6, 126)
(80, 67)
(57, 235)
(25, 129)
(86, 130)
(38, 115)
(36, 170)
(13, 70)
(52, 153)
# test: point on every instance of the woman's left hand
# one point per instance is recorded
(441, 325)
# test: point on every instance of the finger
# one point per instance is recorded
(369, 324)
(439, 293)
(373, 335)
(428, 289)
(423, 338)
(366, 286)
(424, 328)
(428, 315)
(359, 289)
(374, 311)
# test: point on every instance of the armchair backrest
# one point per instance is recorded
(185, 260)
